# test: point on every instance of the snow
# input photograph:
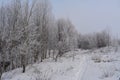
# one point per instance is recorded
(106, 69)
(65, 68)
(83, 66)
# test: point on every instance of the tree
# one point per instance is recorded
(103, 39)
(23, 53)
(67, 36)
(41, 19)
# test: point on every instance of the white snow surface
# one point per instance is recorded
(97, 64)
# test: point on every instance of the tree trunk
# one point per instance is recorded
(23, 61)
(49, 52)
(23, 68)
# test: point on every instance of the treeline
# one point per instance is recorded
(96, 40)
(30, 33)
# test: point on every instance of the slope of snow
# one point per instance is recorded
(66, 68)
(98, 64)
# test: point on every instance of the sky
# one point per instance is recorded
(90, 16)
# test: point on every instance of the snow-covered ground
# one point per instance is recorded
(98, 64)
(103, 66)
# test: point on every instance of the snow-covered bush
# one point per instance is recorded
(107, 71)
(96, 58)
(102, 58)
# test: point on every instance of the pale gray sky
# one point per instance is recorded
(90, 15)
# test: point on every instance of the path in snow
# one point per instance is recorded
(82, 69)
(91, 72)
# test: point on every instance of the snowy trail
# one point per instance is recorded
(92, 72)
(82, 68)
(88, 70)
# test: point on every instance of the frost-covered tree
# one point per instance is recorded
(96, 40)
(42, 17)
(67, 36)
(103, 39)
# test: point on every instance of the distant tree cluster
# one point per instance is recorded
(96, 40)
(30, 33)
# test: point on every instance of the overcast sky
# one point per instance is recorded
(90, 15)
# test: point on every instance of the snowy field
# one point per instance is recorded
(103, 64)
(98, 64)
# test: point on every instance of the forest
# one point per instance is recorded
(30, 33)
